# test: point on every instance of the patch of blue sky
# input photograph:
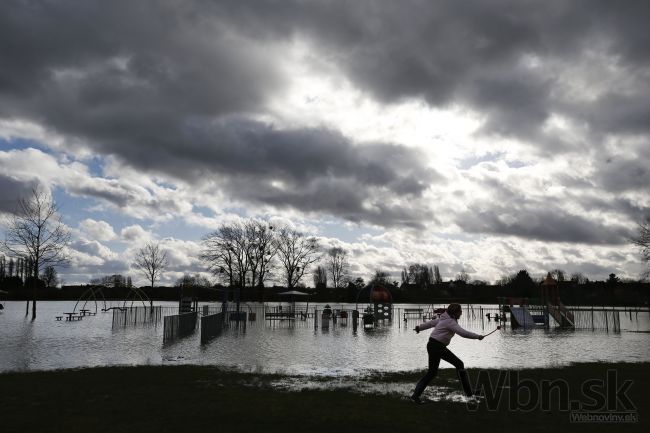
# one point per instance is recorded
(241, 211)
(95, 165)
(178, 228)
(22, 144)
(166, 185)
(203, 211)
(516, 164)
(74, 209)
(471, 161)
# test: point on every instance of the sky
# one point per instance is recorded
(480, 136)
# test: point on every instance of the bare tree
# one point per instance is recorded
(296, 253)
(225, 253)
(462, 277)
(558, 274)
(579, 278)
(50, 277)
(197, 280)
(11, 266)
(643, 241)
(151, 261)
(338, 266)
(406, 278)
(437, 279)
(260, 250)
(381, 278)
(115, 280)
(35, 231)
(421, 275)
(320, 277)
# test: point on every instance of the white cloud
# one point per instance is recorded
(567, 167)
(135, 234)
(99, 230)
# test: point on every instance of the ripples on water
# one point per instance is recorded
(298, 348)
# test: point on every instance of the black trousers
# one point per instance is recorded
(438, 351)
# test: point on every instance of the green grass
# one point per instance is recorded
(194, 398)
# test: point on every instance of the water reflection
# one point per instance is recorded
(299, 346)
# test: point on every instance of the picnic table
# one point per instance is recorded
(281, 315)
(86, 312)
(72, 316)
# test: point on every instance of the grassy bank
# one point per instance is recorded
(193, 398)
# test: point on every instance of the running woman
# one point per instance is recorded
(445, 327)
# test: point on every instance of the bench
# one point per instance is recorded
(59, 318)
(418, 312)
(279, 315)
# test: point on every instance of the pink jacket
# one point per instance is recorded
(445, 328)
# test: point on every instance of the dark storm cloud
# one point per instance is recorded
(115, 194)
(11, 191)
(165, 86)
(160, 86)
(316, 170)
(541, 222)
(343, 197)
(616, 113)
(622, 174)
(511, 211)
(122, 195)
(174, 54)
(500, 57)
(633, 211)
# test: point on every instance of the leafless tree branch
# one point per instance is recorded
(36, 232)
(151, 261)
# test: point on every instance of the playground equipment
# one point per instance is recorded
(382, 302)
(93, 300)
(91, 295)
(521, 317)
(524, 315)
(379, 306)
(555, 307)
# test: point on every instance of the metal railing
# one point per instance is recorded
(133, 316)
(211, 326)
(179, 325)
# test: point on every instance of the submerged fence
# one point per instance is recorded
(211, 326)
(215, 318)
(597, 319)
(133, 316)
(179, 325)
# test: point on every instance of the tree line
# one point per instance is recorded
(238, 254)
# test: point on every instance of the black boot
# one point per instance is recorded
(464, 381)
(417, 392)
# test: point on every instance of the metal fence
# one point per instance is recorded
(211, 326)
(133, 316)
(597, 319)
(179, 325)
(479, 317)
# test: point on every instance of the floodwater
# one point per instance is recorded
(301, 347)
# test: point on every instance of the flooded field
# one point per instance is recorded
(302, 347)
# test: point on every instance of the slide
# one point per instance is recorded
(561, 314)
(520, 316)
